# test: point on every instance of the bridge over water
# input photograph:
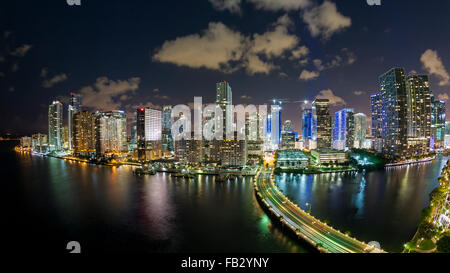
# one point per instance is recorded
(320, 235)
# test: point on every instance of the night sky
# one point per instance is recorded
(121, 54)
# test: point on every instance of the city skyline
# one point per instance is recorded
(340, 61)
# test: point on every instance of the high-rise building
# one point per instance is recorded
(167, 139)
(140, 128)
(394, 116)
(447, 135)
(288, 140)
(309, 127)
(74, 107)
(360, 130)
(438, 117)
(419, 106)
(321, 111)
(153, 125)
(111, 132)
(274, 124)
(55, 119)
(148, 126)
(39, 143)
(376, 107)
(418, 96)
(288, 126)
(224, 97)
(84, 133)
(344, 129)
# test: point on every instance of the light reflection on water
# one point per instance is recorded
(111, 210)
(384, 205)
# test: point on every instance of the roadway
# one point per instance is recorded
(320, 235)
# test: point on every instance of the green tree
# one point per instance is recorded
(443, 245)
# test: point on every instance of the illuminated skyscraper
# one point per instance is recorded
(360, 130)
(344, 129)
(447, 135)
(309, 126)
(84, 133)
(55, 118)
(438, 117)
(224, 97)
(394, 116)
(321, 111)
(140, 128)
(377, 115)
(418, 96)
(167, 139)
(153, 125)
(288, 126)
(111, 132)
(73, 108)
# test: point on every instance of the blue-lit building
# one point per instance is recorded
(274, 124)
(344, 129)
(394, 112)
(309, 127)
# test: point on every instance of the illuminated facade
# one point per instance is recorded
(447, 135)
(39, 143)
(83, 133)
(438, 122)
(153, 125)
(419, 114)
(394, 115)
(167, 139)
(292, 159)
(55, 119)
(111, 132)
(376, 108)
(224, 97)
(330, 157)
(360, 130)
(73, 108)
(344, 129)
(309, 127)
(321, 111)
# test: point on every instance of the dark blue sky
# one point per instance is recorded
(48, 49)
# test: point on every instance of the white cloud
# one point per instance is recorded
(307, 75)
(299, 53)
(359, 93)
(220, 48)
(325, 20)
(233, 6)
(433, 64)
(443, 96)
(283, 75)
(21, 51)
(276, 5)
(214, 49)
(328, 94)
(47, 83)
(105, 93)
(162, 97)
(246, 97)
